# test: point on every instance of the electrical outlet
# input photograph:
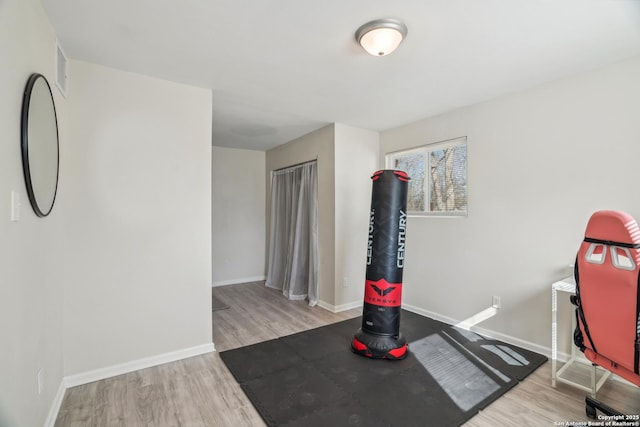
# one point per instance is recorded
(345, 282)
(495, 302)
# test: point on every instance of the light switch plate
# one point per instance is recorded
(15, 206)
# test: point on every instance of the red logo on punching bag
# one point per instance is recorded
(382, 293)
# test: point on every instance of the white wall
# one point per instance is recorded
(356, 159)
(121, 268)
(137, 205)
(539, 163)
(31, 272)
(238, 199)
(319, 145)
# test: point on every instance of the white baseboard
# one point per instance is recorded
(123, 368)
(326, 306)
(546, 351)
(348, 306)
(339, 308)
(134, 365)
(55, 405)
(536, 348)
(430, 314)
(237, 281)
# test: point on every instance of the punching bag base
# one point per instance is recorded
(379, 346)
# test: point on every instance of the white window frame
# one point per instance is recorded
(390, 159)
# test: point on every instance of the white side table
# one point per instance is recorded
(568, 286)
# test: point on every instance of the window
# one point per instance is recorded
(438, 174)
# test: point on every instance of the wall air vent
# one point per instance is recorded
(61, 69)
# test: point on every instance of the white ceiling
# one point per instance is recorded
(281, 68)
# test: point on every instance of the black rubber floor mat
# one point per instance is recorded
(257, 360)
(511, 360)
(300, 390)
(344, 413)
(313, 379)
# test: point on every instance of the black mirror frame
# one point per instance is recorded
(24, 133)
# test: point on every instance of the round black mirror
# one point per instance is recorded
(40, 148)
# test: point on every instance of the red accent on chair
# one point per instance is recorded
(607, 299)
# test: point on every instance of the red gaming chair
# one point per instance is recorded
(608, 298)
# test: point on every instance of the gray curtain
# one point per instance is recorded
(293, 233)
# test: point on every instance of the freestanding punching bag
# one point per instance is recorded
(380, 337)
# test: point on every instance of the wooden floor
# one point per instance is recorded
(200, 391)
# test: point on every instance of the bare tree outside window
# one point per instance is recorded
(448, 179)
(413, 165)
(438, 174)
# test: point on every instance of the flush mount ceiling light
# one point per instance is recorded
(382, 36)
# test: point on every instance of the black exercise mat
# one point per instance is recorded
(313, 379)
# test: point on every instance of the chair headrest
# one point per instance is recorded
(613, 227)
